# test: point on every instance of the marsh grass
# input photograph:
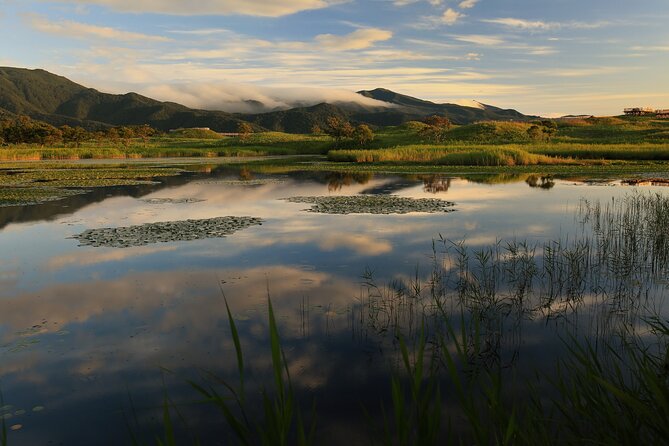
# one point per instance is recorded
(592, 139)
(257, 144)
(462, 155)
(282, 421)
(3, 426)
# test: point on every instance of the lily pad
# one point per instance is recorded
(170, 231)
(23, 196)
(372, 204)
(256, 182)
(172, 200)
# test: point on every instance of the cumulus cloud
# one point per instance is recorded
(79, 30)
(451, 16)
(264, 8)
(357, 40)
(241, 98)
(467, 4)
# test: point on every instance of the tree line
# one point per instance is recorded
(24, 130)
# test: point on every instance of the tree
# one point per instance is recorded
(244, 129)
(436, 128)
(540, 133)
(339, 128)
(145, 132)
(74, 135)
(535, 133)
(363, 135)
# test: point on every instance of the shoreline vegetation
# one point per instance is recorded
(454, 375)
(568, 143)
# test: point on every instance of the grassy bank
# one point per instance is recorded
(588, 141)
(449, 156)
(258, 144)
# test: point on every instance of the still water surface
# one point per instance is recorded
(87, 333)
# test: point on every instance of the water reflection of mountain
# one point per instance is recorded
(55, 209)
(436, 184)
(337, 180)
(394, 185)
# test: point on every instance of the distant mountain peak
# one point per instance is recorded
(459, 111)
(470, 103)
(57, 100)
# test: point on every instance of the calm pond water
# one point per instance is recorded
(92, 338)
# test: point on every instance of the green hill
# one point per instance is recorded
(409, 108)
(298, 120)
(57, 100)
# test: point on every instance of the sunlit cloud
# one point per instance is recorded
(652, 48)
(584, 72)
(451, 16)
(467, 4)
(245, 98)
(357, 40)
(522, 24)
(539, 25)
(481, 39)
(263, 8)
(68, 28)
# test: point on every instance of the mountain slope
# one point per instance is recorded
(459, 114)
(57, 100)
(298, 120)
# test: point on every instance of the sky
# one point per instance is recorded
(547, 58)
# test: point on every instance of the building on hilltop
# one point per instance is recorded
(639, 111)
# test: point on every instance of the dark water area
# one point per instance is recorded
(92, 339)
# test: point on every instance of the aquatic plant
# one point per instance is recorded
(124, 237)
(372, 204)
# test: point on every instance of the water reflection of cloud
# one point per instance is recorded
(175, 298)
(360, 244)
(90, 257)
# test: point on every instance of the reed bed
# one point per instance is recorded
(451, 156)
(457, 334)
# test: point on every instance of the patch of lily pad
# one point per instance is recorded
(256, 182)
(373, 204)
(100, 182)
(25, 196)
(78, 177)
(172, 200)
(171, 231)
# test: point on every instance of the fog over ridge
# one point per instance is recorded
(245, 98)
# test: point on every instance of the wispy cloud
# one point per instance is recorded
(263, 8)
(201, 32)
(357, 40)
(68, 28)
(467, 4)
(584, 71)
(540, 25)
(521, 23)
(479, 39)
(652, 48)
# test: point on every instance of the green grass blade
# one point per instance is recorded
(238, 346)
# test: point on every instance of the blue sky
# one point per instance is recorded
(540, 57)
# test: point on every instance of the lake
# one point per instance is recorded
(93, 339)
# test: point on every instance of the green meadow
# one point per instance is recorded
(576, 142)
